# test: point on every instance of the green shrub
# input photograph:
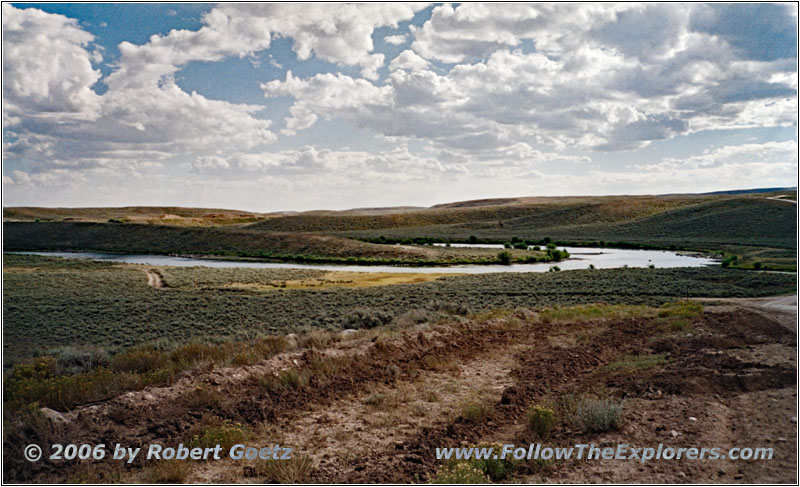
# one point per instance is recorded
(495, 468)
(366, 318)
(226, 434)
(541, 420)
(447, 307)
(598, 415)
(139, 361)
(504, 257)
(680, 309)
(460, 473)
(74, 360)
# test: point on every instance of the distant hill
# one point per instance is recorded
(161, 215)
(742, 223)
(754, 191)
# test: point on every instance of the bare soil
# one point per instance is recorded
(392, 399)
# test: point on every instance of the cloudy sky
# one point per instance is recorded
(297, 107)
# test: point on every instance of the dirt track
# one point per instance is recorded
(782, 309)
(734, 372)
(154, 279)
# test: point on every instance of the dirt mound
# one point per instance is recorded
(740, 357)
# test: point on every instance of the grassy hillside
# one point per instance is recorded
(234, 241)
(550, 211)
(162, 215)
(751, 226)
(742, 221)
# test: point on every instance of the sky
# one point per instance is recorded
(270, 107)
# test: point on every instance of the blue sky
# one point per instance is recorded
(272, 107)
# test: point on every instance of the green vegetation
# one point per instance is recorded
(51, 302)
(541, 420)
(459, 473)
(598, 415)
(167, 472)
(632, 363)
(47, 381)
(293, 471)
(744, 225)
(484, 470)
(240, 243)
(225, 434)
(701, 221)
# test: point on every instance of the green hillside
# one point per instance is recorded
(729, 221)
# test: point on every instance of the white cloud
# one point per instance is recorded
(506, 94)
(47, 69)
(408, 59)
(396, 40)
(602, 77)
(339, 33)
(57, 120)
(781, 153)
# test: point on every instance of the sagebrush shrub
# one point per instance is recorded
(366, 318)
(460, 473)
(598, 415)
(541, 420)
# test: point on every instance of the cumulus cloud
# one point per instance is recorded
(56, 120)
(47, 67)
(408, 59)
(600, 77)
(339, 33)
(509, 93)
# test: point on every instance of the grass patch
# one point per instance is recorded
(476, 411)
(680, 309)
(293, 471)
(225, 434)
(166, 472)
(633, 363)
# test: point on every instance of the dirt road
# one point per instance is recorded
(782, 198)
(154, 279)
(782, 309)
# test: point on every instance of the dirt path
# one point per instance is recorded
(375, 408)
(781, 198)
(379, 419)
(782, 309)
(154, 279)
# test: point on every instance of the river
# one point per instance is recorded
(580, 258)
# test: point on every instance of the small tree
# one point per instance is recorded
(504, 257)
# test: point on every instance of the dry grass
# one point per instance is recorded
(166, 472)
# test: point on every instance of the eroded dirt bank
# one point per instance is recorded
(374, 406)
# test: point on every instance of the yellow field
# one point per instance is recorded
(344, 279)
